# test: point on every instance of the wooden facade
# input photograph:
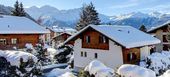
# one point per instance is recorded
(61, 37)
(93, 39)
(131, 56)
(20, 40)
(162, 34)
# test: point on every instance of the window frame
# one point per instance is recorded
(85, 54)
(14, 41)
(87, 39)
(103, 39)
(4, 41)
(95, 55)
(81, 53)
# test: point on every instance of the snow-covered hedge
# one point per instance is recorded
(98, 69)
(166, 74)
(158, 62)
(14, 56)
(128, 70)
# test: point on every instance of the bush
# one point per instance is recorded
(84, 74)
(62, 56)
(25, 69)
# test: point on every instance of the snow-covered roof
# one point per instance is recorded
(62, 29)
(62, 34)
(126, 36)
(19, 25)
(157, 27)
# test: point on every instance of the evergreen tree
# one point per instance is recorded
(88, 16)
(143, 28)
(18, 9)
(22, 11)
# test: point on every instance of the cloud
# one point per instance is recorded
(123, 6)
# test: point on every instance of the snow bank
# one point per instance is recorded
(46, 46)
(128, 70)
(166, 74)
(14, 56)
(99, 69)
(158, 61)
(67, 74)
(52, 51)
(58, 72)
(29, 46)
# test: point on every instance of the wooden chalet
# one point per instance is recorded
(17, 31)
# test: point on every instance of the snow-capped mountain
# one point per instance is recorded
(53, 16)
(136, 19)
(6, 10)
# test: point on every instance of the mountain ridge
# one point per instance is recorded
(50, 16)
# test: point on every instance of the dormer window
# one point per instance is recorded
(87, 39)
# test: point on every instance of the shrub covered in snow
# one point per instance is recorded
(18, 64)
(158, 62)
(166, 74)
(98, 69)
(14, 56)
(65, 54)
(128, 70)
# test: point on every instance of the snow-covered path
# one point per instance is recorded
(48, 68)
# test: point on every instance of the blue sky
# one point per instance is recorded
(107, 7)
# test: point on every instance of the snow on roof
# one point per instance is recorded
(159, 26)
(62, 34)
(128, 70)
(62, 29)
(126, 36)
(19, 25)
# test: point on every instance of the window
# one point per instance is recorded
(85, 54)
(95, 55)
(2, 41)
(87, 39)
(103, 39)
(131, 56)
(13, 41)
(81, 54)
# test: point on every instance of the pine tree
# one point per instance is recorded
(22, 11)
(88, 16)
(143, 28)
(18, 9)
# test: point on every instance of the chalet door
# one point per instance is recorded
(131, 56)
